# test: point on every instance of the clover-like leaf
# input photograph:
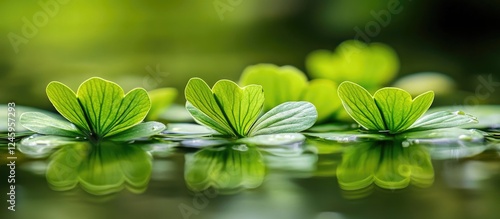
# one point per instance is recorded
(226, 107)
(281, 84)
(100, 109)
(399, 110)
(393, 110)
(372, 65)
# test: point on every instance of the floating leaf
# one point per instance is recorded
(231, 110)
(141, 130)
(98, 110)
(392, 110)
(287, 117)
(47, 125)
(442, 119)
(274, 139)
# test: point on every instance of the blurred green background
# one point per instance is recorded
(156, 44)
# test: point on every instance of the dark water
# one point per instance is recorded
(317, 180)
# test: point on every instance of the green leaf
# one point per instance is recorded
(161, 99)
(226, 108)
(141, 130)
(110, 111)
(359, 104)
(47, 125)
(274, 139)
(321, 92)
(67, 104)
(188, 128)
(288, 117)
(443, 119)
(372, 65)
(280, 84)
(100, 108)
(398, 110)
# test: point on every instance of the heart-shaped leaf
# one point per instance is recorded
(399, 110)
(99, 109)
(227, 108)
(359, 104)
(393, 110)
(288, 117)
(281, 84)
(372, 65)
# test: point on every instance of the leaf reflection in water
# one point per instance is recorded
(228, 168)
(100, 170)
(386, 164)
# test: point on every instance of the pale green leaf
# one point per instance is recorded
(359, 104)
(443, 119)
(141, 130)
(188, 128)
(321, 93)
(67, 104)
(287, 117)
(274, 139)
(160, 100)
(240, 106)
(108, 109)
(398, 110)
(47, 125)
(280, 84)
(204, 108)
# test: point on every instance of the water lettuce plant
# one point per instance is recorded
(234, 111)
(287, 83)
(99, 110)
(372, 65)
(393, 110)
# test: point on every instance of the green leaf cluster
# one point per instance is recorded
(234, 111)
(287, 83)
(394, 111)
(98, 110)
(371, 65)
